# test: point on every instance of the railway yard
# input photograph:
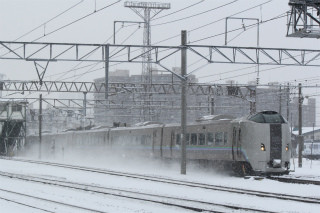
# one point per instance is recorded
(46, 186)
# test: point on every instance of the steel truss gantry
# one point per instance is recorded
(113, 53)
(303, 19)
(119, 87)
(53, 52)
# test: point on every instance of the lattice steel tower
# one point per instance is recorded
(147, 11)
(303, 19)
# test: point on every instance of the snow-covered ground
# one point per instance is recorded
(105, 203)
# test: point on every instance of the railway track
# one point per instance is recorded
(294, 180)
(183, 183)
(35, 199)
(188, 204)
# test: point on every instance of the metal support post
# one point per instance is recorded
(288, 101)
(106, 70)
(280, 99)
(183, 103)
(84, 109)
(40, 124)
(300, 137)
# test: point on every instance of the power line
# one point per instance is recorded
(79, 19)
(197, 14)
(46, 22)
(182, 9)
(216, 21)
(240, 28)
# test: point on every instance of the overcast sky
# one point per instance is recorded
(19, 17)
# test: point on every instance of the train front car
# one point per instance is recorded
(262, 142)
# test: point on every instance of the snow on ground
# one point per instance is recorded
(157, 168)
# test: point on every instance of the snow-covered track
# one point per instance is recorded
(188, 204)
(34, 202)
(294, 180)
(182, 183)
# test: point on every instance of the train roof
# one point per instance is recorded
(215, 117)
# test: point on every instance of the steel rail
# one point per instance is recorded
(179, 182)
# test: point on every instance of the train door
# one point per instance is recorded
(234, 139)
(236, 144)
(172, 141)
(275, 141)
(239, 144)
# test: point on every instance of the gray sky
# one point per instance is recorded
(18, 17)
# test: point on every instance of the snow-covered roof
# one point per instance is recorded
(306, 130)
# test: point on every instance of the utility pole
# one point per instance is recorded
(288, 101)
(84, 109)
(183, 103)
(280, 99)
(300, 137)
(106, 67)
(40, 124)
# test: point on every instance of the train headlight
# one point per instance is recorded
(262, 147)
(287, 147)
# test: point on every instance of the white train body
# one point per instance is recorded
(259, 144)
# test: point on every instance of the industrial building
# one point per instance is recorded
(130, 108)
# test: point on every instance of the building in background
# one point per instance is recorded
(128, 108)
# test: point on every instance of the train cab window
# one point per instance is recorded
(219, 137)
(178, 139)
(202, 139)
(267, 117)
(194, 139)
(210, 138)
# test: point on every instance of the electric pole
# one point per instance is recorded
(300, 137)
(40, 124)
(183, 103)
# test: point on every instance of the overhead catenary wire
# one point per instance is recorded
(197, 14)
(51, 19)
(71, 23)
(213, 22)
(237, 12)
(94, 65)
(177, 11)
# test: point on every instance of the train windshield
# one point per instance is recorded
(267, 117)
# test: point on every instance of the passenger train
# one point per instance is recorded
(258, 144)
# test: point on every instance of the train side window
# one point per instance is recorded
(188, 139)
(178, 139)
(219, 137)
(210, 138)
(194, 139)
(202, 139)
(145, 139)
(315, 146)
(225, 137)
